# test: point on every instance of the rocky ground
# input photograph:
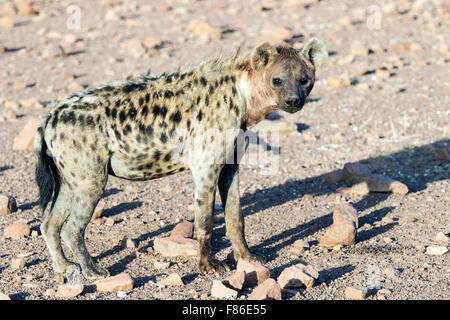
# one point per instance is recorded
(383, 101)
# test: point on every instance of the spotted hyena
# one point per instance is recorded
(152, 127)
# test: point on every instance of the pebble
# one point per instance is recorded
(255, 272)
(69, 291)
(204, 31)
(338, 81)
(221, 291)
(391, 272)
(236, 280)
(120, 282)
(268, 290)
(17, 230)
(443, 154)
(25, 139)
(184, 229)
(298, 275)
(434, 250)
(173, 247)
(161, 264)
(128, 243)
(172, 279)
(442, 237)
(98, 210)
(355, 293)
(18, 263)
(8, 204)
(109, 222)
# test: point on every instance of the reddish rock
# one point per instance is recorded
(338, 81)
(281, 34)
(236, 280)
(7, 204)
(355, 293)
(255, 272)
(68, 291)
(221, 291)
(297, 276)
(25, 139)
(133, 47)
(443, 154)
(268, 290)
(358, 174)
(183, 229)
(173, 247)
(98, 210)
(204, 31)
(342, 234)
(6, 22)
(18, 263)
(335, 176)
(120, 282)
(344, 213)
(4, 296)
(172, 279)
(17, 230)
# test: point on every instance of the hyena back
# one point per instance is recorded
(151, 127)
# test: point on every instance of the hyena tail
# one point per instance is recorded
(47, 177)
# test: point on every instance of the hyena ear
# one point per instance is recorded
(316, 53)
(262, 55)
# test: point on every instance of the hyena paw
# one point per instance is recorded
(213, 266)
(94, 272)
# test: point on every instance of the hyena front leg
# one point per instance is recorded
(51, 227)
(205, 180)
(234, 220)
(86, 198)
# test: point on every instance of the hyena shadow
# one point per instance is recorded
(403, 166)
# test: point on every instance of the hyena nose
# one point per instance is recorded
(292, 102)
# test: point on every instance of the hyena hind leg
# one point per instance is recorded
(51, 228)
(85, 201)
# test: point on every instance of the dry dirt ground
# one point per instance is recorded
(390, 111)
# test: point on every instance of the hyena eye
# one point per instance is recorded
(277, 81)
(304, 81)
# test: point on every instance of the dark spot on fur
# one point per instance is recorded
(175, 117)
(200, 116)
(167, 157)
(156, 155)
(122, 116)
(168, 94)
(133, 86)
(203, 81)
(163, 137)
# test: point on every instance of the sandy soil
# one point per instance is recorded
(393, 123)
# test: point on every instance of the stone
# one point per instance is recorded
(25, 139)
(74, 86)
(255, 272)
(69, 291)
(183, 229)
(161, 264)
(24, 7)
(111, 15)
(17, 230)
(341, 234)
(120, 282)
(109, 222)
(280, 34)
(128, 243)
(7, 22)
(344, 213)
(31, 103)
(98, 210)
(382, 73)
(4, 296)
(442, 237)
(18, 263)
(7, 204)
(391, 272)
(280, 126)
(133, 47)
(297, 276)
(204, 31)
(298, 247)
(236, 280)
(174, 247)
(268, 290)
(338, 81)
(11, 105)
(172, 279)
(434, 250)
(221, 291)
(335, 176)
(443, 154)
(357, 173)
(355, 293)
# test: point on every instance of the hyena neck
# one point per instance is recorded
(258, 101)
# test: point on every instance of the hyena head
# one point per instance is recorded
(288, 74)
